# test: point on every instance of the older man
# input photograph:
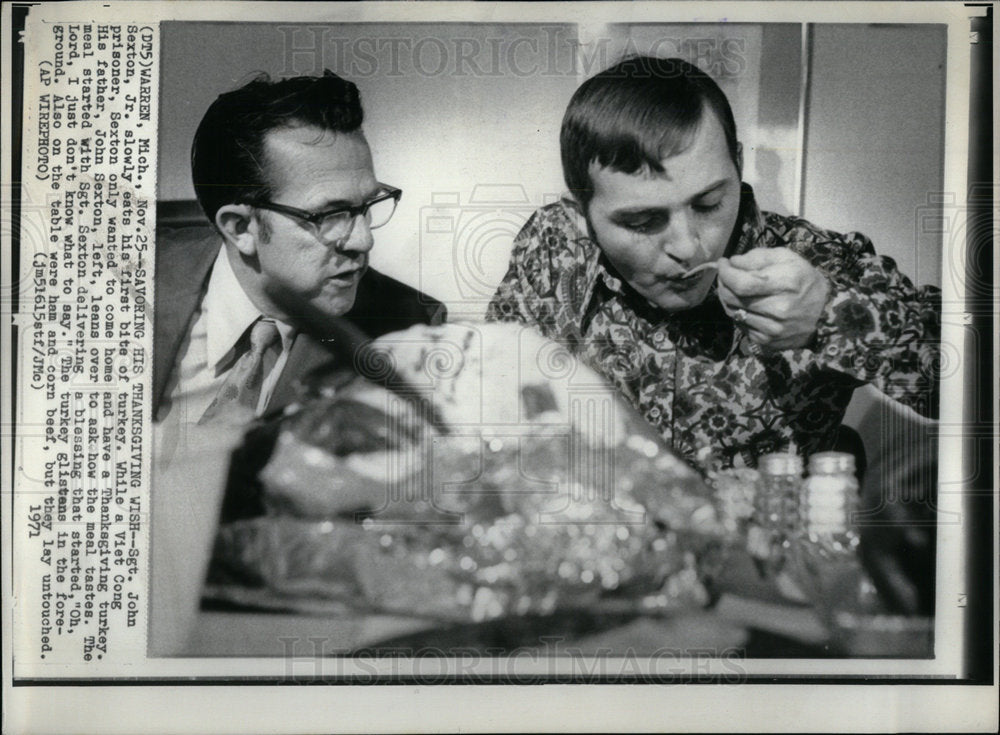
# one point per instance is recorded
(281, 284)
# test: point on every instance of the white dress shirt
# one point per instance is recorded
(208, 351)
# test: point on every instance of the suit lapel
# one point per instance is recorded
(182, 269)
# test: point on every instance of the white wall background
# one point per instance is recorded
(875, 138)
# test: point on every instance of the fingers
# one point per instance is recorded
(774, 295)
(759, 328)
(764, 271)
(775, 306)
(743, 283)
(763, 258)
(764, 320)
(756, 323)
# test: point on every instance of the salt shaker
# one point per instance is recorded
(829, 500)
(776, 507)
(823, 555)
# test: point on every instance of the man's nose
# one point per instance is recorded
(682, 241)
(359, 239)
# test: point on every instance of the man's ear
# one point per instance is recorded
(238, 225)
(739, 159)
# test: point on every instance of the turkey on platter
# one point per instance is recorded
(477, 471)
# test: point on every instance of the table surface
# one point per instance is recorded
(186, 499)
(745, 609)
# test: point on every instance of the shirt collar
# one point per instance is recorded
(229, 312)
(602, 268)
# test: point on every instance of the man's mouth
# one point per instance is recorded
(683, 285)
(690, 277)
(348, 275)
(683, 281)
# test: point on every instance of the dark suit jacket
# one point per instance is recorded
(184, 259)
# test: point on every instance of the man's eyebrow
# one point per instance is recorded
(639, 211)
(334, 204)
(345, 203)
(709, 189)
(648, 211)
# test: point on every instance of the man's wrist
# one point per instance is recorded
(842, 328)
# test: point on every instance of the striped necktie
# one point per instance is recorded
(240, 391)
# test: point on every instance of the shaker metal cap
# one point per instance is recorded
(780, 463)
(826, 463)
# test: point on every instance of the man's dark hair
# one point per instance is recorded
(636, 113)
(227, 156)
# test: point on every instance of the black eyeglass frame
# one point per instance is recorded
(316, 218)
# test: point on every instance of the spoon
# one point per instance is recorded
(713, 265)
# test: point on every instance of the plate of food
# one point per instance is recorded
(464, 474)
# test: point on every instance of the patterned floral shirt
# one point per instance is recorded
(695, 376)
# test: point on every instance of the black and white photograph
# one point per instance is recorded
(646, 350)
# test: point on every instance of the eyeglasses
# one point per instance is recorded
(336, 224)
